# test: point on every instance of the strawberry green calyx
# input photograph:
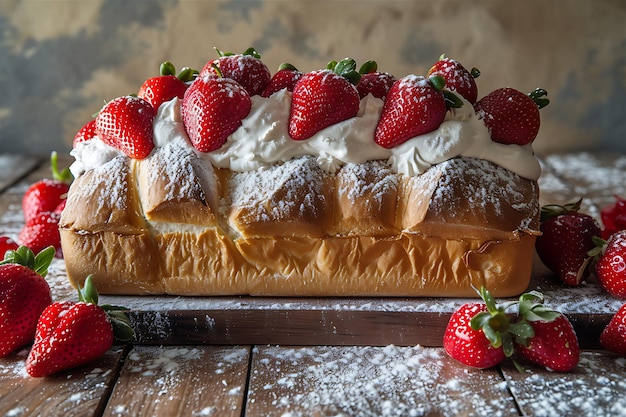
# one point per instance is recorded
(368, 67)
(495, 323)
(439, 83)
(553, 210)
(531, 309)
(24, 256)
(347, 69)
(186, 74)
(250, 51)
(64, 175)
(475, 72)
(598, 250)
(287, 66)
(120, 322)
(538, 96)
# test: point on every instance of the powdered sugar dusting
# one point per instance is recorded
(371, 381)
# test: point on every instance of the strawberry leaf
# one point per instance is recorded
(24, 256)
(88, 293)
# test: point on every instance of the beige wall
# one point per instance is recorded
(60, 60)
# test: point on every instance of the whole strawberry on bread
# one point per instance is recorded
(610, 263)
(247, 69)
(373, 81)
(511, 116)
(213, 108)
(457, 78)
(125, 123)
(70, 334)
(324, 97)
(567, 237)
(24, 294)
(164, 87)
(285, 78)
(414, 106)
(613, 337)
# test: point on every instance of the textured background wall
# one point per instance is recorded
(60, 60)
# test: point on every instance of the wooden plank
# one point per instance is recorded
(13, 167)
(77, 392)
(181, 381)
(371, 381)
(596, 387)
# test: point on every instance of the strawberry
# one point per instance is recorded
(322, 98)
(414, 106)
(70, 334)
(468, 346)
(247, 69)
(212, 109)
(613, 217)
(553, 346)
(166, 86)
(613, 337)
(610, 263)
(24, 294)
(42, 231)
(480, 335)
(47, 194)
(6, 244)
(374, 82)
(567, 237)
(511, 116)
(286, 77)
(125, 123)
(85, 133)
(457, 77)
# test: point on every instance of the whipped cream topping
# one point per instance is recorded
(263, 140)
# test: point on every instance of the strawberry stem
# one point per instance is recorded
(65, 175)
(287, 66)
(167, 68)
(538, 97)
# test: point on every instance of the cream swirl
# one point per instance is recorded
(263, 140)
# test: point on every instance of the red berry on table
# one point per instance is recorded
(466, 345)
(511, 116)
(88, 131)
(157, 90)
(285, 78)
(553, 346)
(613, 337)
(611, 264)
(125, 123)
(322, 98)
(247, 69)
(613, 217)
(212, 109)
(24, 294)
(414, 106)
(47, 194)
(43, 196)
(70, 334)
(457, 77)
(42, 231)
(6, 244)
(567, 237)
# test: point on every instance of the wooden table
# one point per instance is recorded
(235, 356)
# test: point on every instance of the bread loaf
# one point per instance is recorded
(170, 224)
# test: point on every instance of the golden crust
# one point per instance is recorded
(296, 230)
